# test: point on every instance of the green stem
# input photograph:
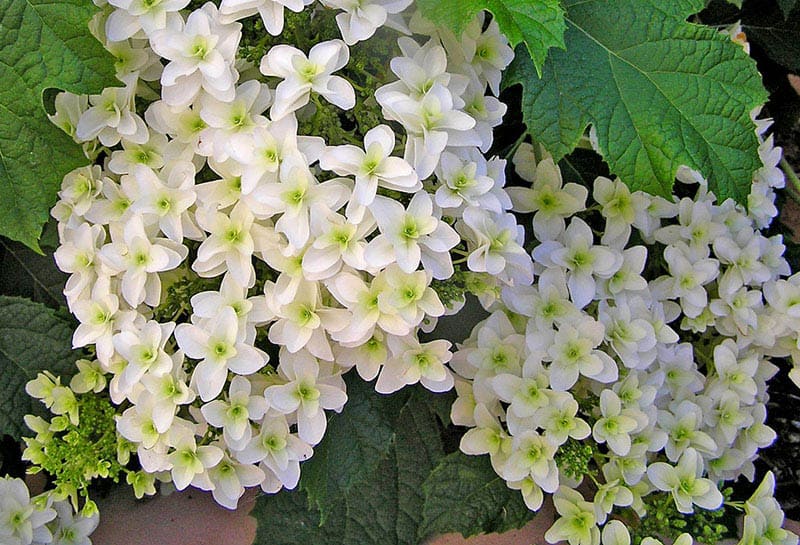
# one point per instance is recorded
(513, 149)
(794, 188)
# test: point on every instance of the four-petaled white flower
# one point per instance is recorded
(219, 351)
(302, 75)
(685, 483)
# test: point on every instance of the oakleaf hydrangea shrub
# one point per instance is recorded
(282, 191)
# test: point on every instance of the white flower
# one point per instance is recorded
(682, 424)
(303, 321)
(617, 207)
(167, 201)
(131, 16)
(685, 484)
(189, 461)
(408, 295)
(616, 533)
(607, 496)
(492, 55)
(413, 362)
(527, 394)
(572, 352)
(250, 311)
(341, 242)
(301, 75)
(419, 69)
(230, 478)
(231, 245)
(495, 245)
(218, 350)
(361, 18)
(560, 421)
(89, 378)
(22, 522)
(77, 255)
(143, 350)
(234, 415)
(306, 393)
(547, 303)
(432, 122)
(202, 53)
(362, 301)
(300, 199)
(487, 436)
(373, 167)
(410, 235)
(688, 279)
(139, 260)
(69, 108)
(464, 182)
(149, 154)
(614, 426)
(228, 120)
(112, 116)
(81, 187)
(71, 529)
(577, 523)
(366, 356)
(532, 455)
(547, 199)
(271, 11)
(279, 452)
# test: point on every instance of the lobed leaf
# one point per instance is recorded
(660, 93)
(537, 23)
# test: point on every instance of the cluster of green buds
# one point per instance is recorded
(80, 442)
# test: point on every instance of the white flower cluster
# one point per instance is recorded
(38, 520)
(344, 237)
(647, 335)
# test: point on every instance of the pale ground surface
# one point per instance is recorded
(193, 518)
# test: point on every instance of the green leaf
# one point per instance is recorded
(787, 7)
(384, 505)
(464, 494)
(779, 35)
(355, 443)
(537, 23)
(43, 44)
(25, 273)
(32, 339)
(659, 91)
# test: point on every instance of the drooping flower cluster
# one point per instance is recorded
(646, 335)
(227, 268)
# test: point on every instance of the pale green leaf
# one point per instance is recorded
(33, 338)
(659, 91)
(43, 44)
(537, 23)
